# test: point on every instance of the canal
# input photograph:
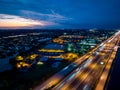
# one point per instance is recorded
(114, 78)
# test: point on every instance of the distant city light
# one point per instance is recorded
(50, 50)
(19, 58)
(101, 63)
(40, 63)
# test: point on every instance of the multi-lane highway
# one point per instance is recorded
(85, 73)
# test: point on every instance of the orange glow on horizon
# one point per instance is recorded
(13, 24)
(11, 21)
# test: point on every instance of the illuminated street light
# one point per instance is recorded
(101, 63)
(40, 63)
(19, 58)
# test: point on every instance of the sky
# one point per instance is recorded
(60, 14)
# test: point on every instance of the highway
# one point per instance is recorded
(85, 72)
(105, 74)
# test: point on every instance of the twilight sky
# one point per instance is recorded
(60, 14)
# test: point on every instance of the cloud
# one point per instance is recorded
(17, 21)
(53, 16)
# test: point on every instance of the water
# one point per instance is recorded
(114, 80)
(5, 65)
